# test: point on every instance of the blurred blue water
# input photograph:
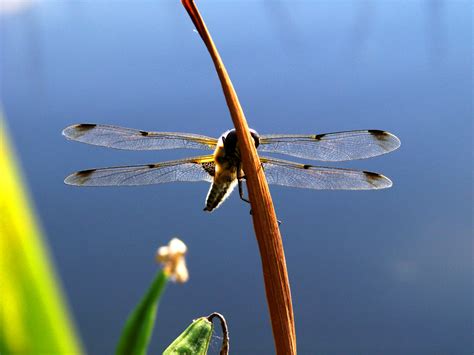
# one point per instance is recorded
(386, 272)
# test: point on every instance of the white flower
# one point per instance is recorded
(173, 261)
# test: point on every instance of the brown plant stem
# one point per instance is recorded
(263, 213)
(225, 332)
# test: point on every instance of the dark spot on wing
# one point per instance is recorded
(378, 181)
(380, 135)
(85, 173)
(151, 166)
(84, 127)
(78, 130)
(373, 176)
(306, 166)
(144, 133)
(319, 136)
(83, 176)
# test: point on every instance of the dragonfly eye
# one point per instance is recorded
(230, 141)
(256, 137)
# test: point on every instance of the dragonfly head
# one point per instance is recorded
(229, 139)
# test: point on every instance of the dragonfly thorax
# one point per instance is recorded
(228, 168)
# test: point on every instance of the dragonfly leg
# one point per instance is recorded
(241, 194)
(241, 191)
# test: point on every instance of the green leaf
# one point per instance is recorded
(137, 331)
(194, 340)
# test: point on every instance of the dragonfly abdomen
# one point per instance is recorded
(227, 160)
(219, 191)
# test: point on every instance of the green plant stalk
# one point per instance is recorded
(139, 326)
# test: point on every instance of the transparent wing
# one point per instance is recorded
(133, 139)
(190, 169)
(286, 173)
(338, 146)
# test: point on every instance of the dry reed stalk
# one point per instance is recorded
(265, 223)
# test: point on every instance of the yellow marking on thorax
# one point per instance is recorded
(224, 169)
(219, 153)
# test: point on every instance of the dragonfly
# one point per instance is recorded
(223, 169)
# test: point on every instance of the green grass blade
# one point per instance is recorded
(137, 331)
(33, 313)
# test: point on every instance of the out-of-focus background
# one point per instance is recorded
(371, 272)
